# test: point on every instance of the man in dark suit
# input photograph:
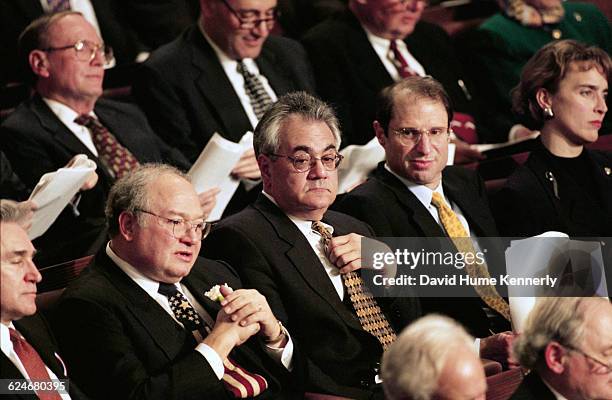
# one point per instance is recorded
(22, 328)
(15, 15)
(192, 88)
(43, 134)
(141, 318)
(412, 125)
(352, 60)
(565, 343)
(280, 249)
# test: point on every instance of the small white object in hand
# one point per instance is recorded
(215, 293)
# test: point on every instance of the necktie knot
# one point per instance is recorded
(317, 226)
(437, 200)
(85, 120)
(167, 289)
(15, 336)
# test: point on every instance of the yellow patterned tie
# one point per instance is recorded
(456, 231)
(370, 315)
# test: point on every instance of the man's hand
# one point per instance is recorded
(92, 179)
(208, 200)
(247, 167)
(248, 306)
(345, 252)
(228, 334)
(499, 348)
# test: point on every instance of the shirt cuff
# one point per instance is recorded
(284, 355)
(216, 363)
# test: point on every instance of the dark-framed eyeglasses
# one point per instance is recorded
(412, 136)
(86, 51)
(603, 368)
(251, 20)
(179, 227)
(305, 162)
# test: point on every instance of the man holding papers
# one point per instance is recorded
(65, 118)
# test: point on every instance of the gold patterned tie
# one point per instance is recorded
(456, 231)
(370, 315)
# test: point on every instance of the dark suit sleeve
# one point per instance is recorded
(111, 367)
(164, 110)
(369, 210)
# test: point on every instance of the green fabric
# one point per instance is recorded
(502, 47)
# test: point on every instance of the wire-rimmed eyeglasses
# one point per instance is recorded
(602, 367)
(86, 51)
(180, 228)
(305, 162)
(251, 21)
(412, 136)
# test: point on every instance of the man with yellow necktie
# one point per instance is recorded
(414, 194)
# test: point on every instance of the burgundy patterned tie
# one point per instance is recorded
(33, 364)
(399, 61)
(370, 315)
(237, 380)
(58, 5)
(113, 155)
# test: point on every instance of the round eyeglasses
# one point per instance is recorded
(86, 51)
(412, 136)
(249, 20)
(305, 162)
(179, 227)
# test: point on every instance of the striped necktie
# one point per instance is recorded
(117, 159)
(370, 315)
(241, 383)
(399, 61)
(455, 230)
(33, 364)
(259, 98)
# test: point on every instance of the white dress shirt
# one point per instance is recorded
(67, 116)
(282, 355)
(7, 348)
(381, 47)
(231, 70)
(314, 239)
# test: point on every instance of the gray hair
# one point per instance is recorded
(11, 212)
(560, 319)
(130, 193)
(266, 138)
(412, 365)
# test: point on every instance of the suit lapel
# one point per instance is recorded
(303, 259)
(470, 206)
(211, 81)
(161, 327)
(415, 210)
(268, 67)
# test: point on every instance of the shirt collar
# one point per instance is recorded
(148, 285)
(66, 114)
(422, 192)
(224, 59)
(5, 337)
(303, 225)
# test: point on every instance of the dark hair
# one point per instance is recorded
(34, 37)
(418, 87)
(547, 68)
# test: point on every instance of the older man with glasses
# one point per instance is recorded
(306, 259)
(220, 76)
(567, 345)
(66, 117)
(139, 322)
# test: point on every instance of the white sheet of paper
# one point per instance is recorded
(55, 190)
(213, 167)
(357, 163)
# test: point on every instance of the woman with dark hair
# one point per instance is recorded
(563, 186)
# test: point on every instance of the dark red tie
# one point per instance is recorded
(400, 62)
(117, 158)
(33, 364)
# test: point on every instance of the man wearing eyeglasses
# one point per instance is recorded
(66, 117)
(373, 44)
(305, 259)
(567, 345)
(220, 76)
(139, 323)
(412, 125)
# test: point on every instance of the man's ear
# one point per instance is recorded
(544, 98)
(127, 225)
(554, 355)
(264, 166)
(39, 63)
(380, 133)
